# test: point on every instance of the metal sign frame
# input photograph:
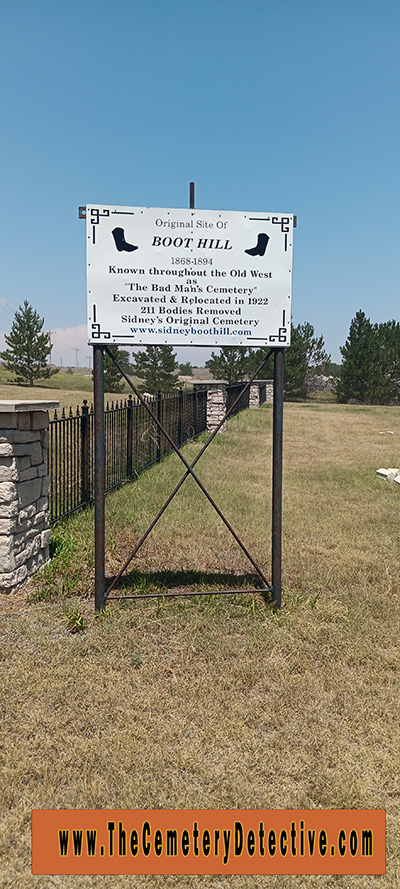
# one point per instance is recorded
(273, 589)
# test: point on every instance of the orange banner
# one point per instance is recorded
(208, 841)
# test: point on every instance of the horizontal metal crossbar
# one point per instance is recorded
(189, 593)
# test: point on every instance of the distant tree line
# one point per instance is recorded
(156, 366)
(305, 357)
(369, 373)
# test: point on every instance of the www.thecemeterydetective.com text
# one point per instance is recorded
(224, 844)
(200, 841)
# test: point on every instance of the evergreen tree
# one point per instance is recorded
(28, 352)
(316, 356)
(231, 364)
(296, 365)
(156, 367)
(360, 372)
(370, 372)
(305, 357)
(254, 359)
(112, 377)
(186, 369)
(388, 350)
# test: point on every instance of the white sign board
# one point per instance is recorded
(188, 277)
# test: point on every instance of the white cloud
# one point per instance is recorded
(70, 348)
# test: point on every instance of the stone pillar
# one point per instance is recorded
(269, 390)
(216, 404)
(266, 391)
(24, 489)
(254, 394)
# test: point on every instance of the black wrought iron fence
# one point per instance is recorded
(132, 443)
(232, 393)
(262, 393)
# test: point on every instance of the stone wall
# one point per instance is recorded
(216, 404)
(24, 489)
(217, 396)
(254, 395)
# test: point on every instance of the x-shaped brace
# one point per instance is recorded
(189, 471)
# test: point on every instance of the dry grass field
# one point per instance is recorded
(217, 702)
(68, 389)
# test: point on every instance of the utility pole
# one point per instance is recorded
(51, 344)
(89, 358)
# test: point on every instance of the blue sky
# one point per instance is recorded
(287, 106)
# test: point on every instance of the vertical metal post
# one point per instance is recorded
(85, 452)
(191, 196)
(99, 477)
(277, 453)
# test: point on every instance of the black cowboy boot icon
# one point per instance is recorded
(261, 246)
(120, 243)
